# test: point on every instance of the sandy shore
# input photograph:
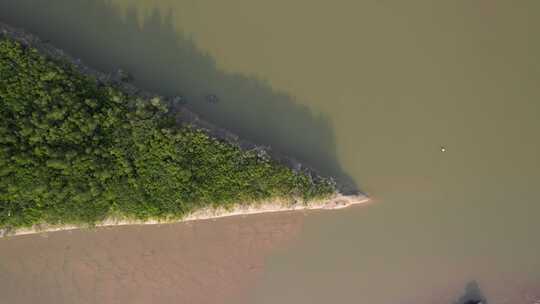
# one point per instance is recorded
(338, 201)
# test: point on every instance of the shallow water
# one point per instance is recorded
(368, 91)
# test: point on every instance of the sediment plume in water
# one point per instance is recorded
(192, 262)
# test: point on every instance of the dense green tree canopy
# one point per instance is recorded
(73, 150)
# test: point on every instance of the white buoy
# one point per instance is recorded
(443, 149)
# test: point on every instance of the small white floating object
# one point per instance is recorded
(443, 149)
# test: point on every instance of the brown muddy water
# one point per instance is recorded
(195, 262)
(367, 91)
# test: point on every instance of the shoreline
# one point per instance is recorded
(338, 201)
(346, 195)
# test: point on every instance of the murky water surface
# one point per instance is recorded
(365, 90)
(198, 262)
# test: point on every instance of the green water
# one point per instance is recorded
(368, 91)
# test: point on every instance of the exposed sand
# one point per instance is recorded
(338, 201)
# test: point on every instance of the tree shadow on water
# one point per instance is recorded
(165, 60)
(472, 295)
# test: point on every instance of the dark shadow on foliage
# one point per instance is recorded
(167, 62)
(472, 295)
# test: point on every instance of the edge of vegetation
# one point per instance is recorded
(76, 150)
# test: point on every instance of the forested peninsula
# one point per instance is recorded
(78, 151)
